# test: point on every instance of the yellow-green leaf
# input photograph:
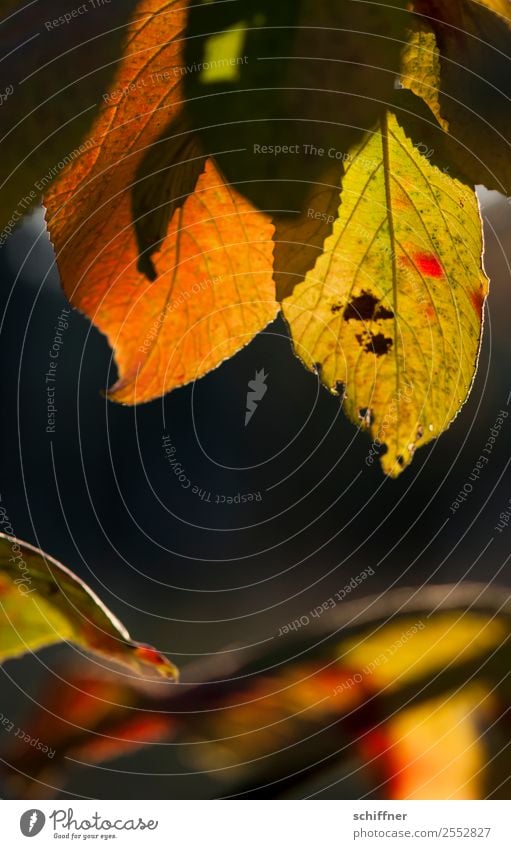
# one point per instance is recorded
(420, 67)
(391, 313)
(472, 40)
(42, 603)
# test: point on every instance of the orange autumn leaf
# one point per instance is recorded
(178, 294)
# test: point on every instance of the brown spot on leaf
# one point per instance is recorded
(335, 308)
(383, 312)
(365, 308)
(374, 343)
(380, 344)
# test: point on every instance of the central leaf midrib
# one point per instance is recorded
(390, 218)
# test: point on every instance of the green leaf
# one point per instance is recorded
(391, 313)
(42, 603)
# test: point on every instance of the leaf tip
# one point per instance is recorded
(147, 657)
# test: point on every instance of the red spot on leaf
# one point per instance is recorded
(152, 658)
(428, 264)
(149, 655)
(477, 299)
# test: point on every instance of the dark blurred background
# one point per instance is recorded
(193, 576)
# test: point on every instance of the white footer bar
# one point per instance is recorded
(255, 824)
